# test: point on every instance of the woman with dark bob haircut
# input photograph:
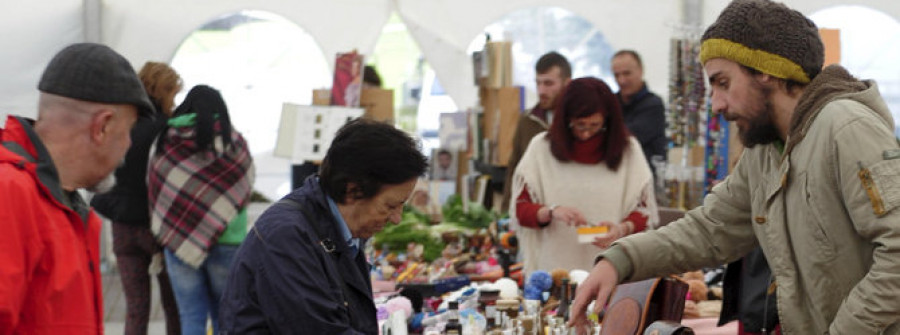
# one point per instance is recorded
(301, 269)
(586, 170)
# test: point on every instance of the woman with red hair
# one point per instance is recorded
(586, 170)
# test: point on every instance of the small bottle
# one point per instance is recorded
(572, 288)
(563, 310)
(490, 313)
(453, 326)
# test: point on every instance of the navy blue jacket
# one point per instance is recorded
(283, 281)
(645, 117)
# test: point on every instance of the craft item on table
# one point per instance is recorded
(421, 200)
(444, 285)
(414, 251)
(532, 293)
(538, 283)
(697, 289)
(387, 271)
(411, 270)
(444, 266)
(509, 289)
(486, 266)
(633, 306)
(396, 324)
(473, 319)
(453, 326)
(558, 275)
(509, 306)
(577, 276)
(393, 314)
(691, 310)
(553, 299)
(487, 298)
(515, 272)
(588, 234)
(415, 323)
(508, 240)
(398, 303)
(438, 269)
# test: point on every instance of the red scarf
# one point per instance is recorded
(589, 151)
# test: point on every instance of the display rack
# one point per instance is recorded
(682, 179)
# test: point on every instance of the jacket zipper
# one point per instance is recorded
(771, 287)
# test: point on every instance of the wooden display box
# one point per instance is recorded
(502, 108)
(379, 103)
(322, 97)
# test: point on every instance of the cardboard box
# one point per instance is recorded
(502, 108)
(322, 97)
(379, 104)
(831, 39)
(499, 61)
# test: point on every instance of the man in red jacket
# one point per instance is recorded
(49, 275)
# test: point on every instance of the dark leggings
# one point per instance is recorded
(134, 247)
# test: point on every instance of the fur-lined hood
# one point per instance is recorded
(834, 83)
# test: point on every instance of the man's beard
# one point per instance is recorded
(760, 127)
(546, 103)
(105, 185)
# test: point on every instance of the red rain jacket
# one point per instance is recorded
(49, 241)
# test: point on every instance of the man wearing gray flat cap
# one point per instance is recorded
(90, 97)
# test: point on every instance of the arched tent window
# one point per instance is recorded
(537, 30)
(258, 61)
(870, 48)
(418, 96)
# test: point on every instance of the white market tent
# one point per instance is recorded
(152, 30)
(32, 31)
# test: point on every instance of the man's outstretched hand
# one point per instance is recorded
(598, 286)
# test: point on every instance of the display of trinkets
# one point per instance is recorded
(681, 182)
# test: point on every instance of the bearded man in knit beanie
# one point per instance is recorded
(815, 188)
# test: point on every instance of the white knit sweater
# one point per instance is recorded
(598, 192)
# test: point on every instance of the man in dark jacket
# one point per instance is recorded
(552, 74)
(301, 269)
(127, 207)
(644, 111)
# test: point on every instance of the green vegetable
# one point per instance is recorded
(478, 217)
(413, 227)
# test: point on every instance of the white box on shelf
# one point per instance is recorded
(305, 132)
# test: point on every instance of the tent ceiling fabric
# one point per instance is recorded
(337, 25)
(152, 30)
(445, 28)
(32, 32)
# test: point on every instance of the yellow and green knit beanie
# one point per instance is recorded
(766, 36)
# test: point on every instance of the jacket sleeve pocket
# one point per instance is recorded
(882, 184)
